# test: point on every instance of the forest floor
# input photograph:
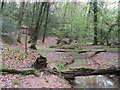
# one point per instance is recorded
(14, 57)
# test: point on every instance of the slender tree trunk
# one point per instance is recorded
(21, 14)
(32, 23)
(45, 26)
(38, 24)
(95, 22)
(2, 6)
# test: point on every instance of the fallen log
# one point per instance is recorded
(67, 74)
(80, 51)
(73, 72)
(22, 72)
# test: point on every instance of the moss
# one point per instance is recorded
(81, 68)
(22, 72)
(8, 69)
(14, 82)
(47, 73)
(113, 48)
(60, 70)
(4, 57)
(57, 45)
(64, 70)
(103, 68)
(14, 51)
(37, 74)
(53, 46)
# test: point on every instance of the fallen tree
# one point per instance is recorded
(67, 74)
(80, 51)
(73, 72)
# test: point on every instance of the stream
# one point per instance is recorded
(98, 81)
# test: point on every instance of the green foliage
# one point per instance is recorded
(9, 26)
(66, 20)
(61, 65)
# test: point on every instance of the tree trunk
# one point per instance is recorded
(95, 22)
(2, 6)
(32, 23)
(21, 14)
(45, 26)
(38, 24)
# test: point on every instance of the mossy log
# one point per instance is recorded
(22, 72)
(73, 72)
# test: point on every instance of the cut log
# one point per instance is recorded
(22, 72)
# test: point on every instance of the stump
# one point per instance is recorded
(41, 62)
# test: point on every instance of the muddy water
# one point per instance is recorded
(98, 81)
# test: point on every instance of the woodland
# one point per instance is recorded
(59, 44)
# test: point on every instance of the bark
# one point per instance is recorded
(21, 14)
(32, 23)
(26, 41)
(89, 71)
(2, 6)
(45, 26)
(74, 72)
(95, 22)
(79, 51)
(67, 74)
(38, 24)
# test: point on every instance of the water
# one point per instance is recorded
(98, 81)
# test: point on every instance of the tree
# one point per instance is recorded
(2, 5)
(45, 26)
(95, 2)
(21, 14)
(38, 24)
